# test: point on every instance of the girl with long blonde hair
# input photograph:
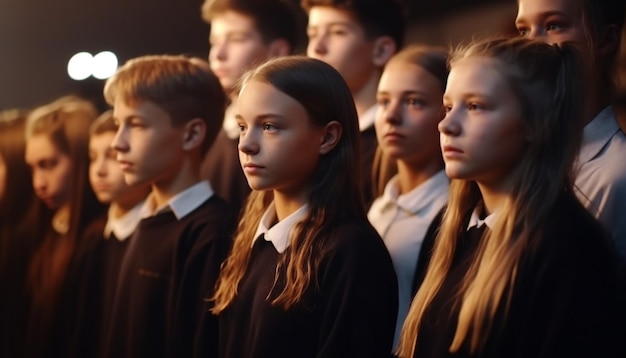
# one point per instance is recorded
(519, 268)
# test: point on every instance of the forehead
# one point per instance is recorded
(231, 21)
(404, 76)
(260, 98)
(531, 10)
(40, 146)
(477, 75)
(123, 109)
(328, 15)
(101, 140)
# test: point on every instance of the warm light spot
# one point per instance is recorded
(104, 65)
(80, 66)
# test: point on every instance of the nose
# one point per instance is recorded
(318, 45)
(39, 181)
(100, 167)
(392, 113)
(217, 51)
(120, 141)
(535, 33)
(450, 125)
(248, 143)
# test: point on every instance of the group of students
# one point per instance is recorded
(365, 200)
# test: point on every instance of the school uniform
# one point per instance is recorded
(221, 165)
(169, 268)
(349, 311)
(403, 222)
(567, 298)
(601, 174)
(368, 144)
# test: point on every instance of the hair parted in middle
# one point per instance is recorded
(546, 81)
(321, 90)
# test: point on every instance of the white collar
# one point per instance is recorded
(368, 118)
(475, 219)
(279, 234)
(419, 197)
(182, 203)
(597, 133)
(123, 227)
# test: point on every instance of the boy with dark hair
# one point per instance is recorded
(168, 110)
(357, 38)
(244, 33)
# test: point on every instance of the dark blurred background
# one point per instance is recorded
(38, 37)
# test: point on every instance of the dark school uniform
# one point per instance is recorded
(349, 311)
(567, 300)
(105, 243)
(169, 269)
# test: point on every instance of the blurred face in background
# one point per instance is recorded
(51, 169)
(105, 173)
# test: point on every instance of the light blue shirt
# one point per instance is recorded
(601, 175)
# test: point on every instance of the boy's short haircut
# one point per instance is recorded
(184, 87)
(103, 124)
(378, 17)
(274, 19)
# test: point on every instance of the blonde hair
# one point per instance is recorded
(545, 80)
(323, 93)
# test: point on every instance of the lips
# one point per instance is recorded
(252, 168)
(124, 164)
(394, 135)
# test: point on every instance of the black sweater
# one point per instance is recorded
(351, 313)
(567, 301)
(168, 271)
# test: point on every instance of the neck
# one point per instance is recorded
(365, 95)
(412, 176)
(287, 204)
(61, 219)
(120, 208)
(494, 197)
(186, 176)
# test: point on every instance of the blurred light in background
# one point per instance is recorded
(83, 64)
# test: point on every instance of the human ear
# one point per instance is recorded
(278, 48)
(194, 134)
(330, 137)
(609, 41)
(384, 48)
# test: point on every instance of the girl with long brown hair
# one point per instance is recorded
(307, 276)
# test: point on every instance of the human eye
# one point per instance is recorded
(523, 31)
(48, 164)
(415, 102)
(475, 106)
(311, 32)
(92, 156)
(382, 101)
(270, 127)
(553, 27)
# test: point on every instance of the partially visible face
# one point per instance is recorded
(409, 109)
(278, 144)
(551, 21)
(148, 146)
(51, 169)
(336, 38)
(105, 173)
(482, 135)
(3, 177)
(236, 46)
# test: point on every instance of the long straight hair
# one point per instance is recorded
(434, 60)
(326, 97)
(66, 123)
(544, 79)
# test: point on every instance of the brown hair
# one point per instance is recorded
(274, 19)
(546, 81)
(377, 17)
(66, 123)
(324, 94)
(184, 87)
(103, 124)
(433, 59)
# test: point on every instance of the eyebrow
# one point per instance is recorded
(544, 15)
(262, 116)
(404, 93)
